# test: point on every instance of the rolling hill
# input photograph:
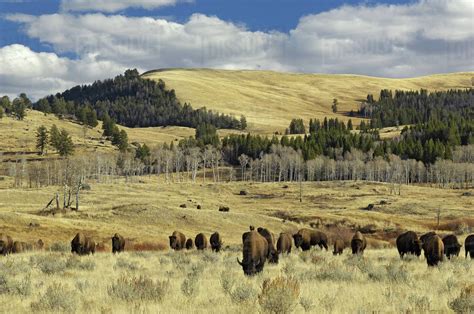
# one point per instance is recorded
(270, 100)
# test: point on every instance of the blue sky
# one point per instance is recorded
(53, 44)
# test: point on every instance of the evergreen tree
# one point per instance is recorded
(349, 125)
(243, 122)
(143, 153)
(5, 103)
(206, 134)
(19, 108)
(120, 139)
(41, 139)
(91, 118)
(66, 145)
(54, 137)
(334, 105)
(297, 127)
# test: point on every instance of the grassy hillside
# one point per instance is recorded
(270, 100)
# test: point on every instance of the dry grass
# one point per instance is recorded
(270, 99)
(146, 213)
(199, 282)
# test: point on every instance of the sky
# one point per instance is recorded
(47, 46)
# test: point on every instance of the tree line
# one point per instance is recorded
(132, 101)
(16, 108)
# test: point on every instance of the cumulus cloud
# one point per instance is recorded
(425, 37)
(114, 5)
(40, 73)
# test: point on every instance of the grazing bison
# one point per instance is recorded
(39, 244)
(216, 241)
(426, 236)
(118, 243)
(408, 243)
(19, 247)
(177, 241)
(434, 250)
(451, 245)
(305, 238)
(272, 252)
(200, 241)
(255, 252)
(6, 244)
(82, 245)
(284, 243)
(358, 243)
(469, 245)
(189, 244)
(339, 246)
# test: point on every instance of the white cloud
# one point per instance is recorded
(39, 74)
(425, 37)
(114, 5)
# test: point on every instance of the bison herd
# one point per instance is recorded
(258, 246)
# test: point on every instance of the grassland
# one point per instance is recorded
(270, 100)
(148, 210)
(206, 282)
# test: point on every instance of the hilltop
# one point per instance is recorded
(269, 100)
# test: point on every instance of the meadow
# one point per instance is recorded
(205, 282)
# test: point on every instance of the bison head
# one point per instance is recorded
(249, 267)
(173, 242)
(273, 258)
(298, 238)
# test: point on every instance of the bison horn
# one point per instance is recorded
(239, 262)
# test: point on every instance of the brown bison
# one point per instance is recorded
(216, 241)
(6, 244)
(39, 244)
(272, 252)
(284, 243)
(469, 245)
(200, 241)
(118, 243)
(255, 252)
(451, 245)
(408, 243)
(82, 245)
(177, 241)
(358, 243)
(426, 236)
(189, 244)
(339, 247)
(305, 238)
(434, 250)
(19, 247)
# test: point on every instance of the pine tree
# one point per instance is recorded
(243, 122)
(349, 125)
(66, 145)
(91, 118)
(334, 105)
(41, 139)
(19, 108)
(54, 137)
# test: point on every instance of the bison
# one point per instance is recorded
(339, 247)
(272, 252)
(451, 246)
(82, 245)
(118, 243)
(426, 236)
(408, 243)
(434, 250)
(200, 241)
(177, 241)
(189, 244)
(358, 243)
(469, 245)
(305, 238)
(19, 247)
(39, 244)
(6, 244)
(255, 252)
(284, 243)
(216, 241)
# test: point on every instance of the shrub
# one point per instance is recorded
(243, 293)
(190, 286)
(279, 295)
(60, 247)
(123, 263)
(57, 298)
(138, 288)
(465, 302)
(306, 303)
(180, 260)
(228, 282)
(75, 261)
(49, 264)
